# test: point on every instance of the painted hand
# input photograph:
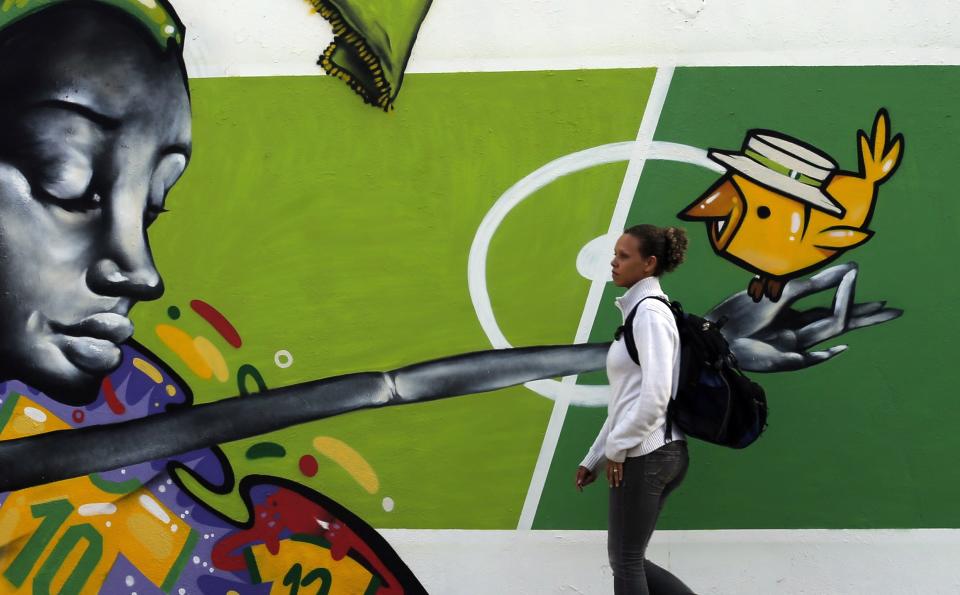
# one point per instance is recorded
(774, 337)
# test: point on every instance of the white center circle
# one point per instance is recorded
(588, 260)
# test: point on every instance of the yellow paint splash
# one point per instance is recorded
(148, 369)
(353, 462)
(182, 344)
(213, 358)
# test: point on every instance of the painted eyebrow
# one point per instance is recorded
(104, 121)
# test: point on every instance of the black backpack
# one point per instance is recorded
(715, 401)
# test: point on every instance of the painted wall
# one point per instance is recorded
(313, 236)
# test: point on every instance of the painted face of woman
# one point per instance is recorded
(95, 132)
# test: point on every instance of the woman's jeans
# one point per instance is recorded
(634, 508)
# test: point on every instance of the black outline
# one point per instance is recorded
(890, 141)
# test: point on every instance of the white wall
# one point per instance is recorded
(255, 38)
(815, 562)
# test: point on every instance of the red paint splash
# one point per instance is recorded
(111, 396)
(218, 321)
(286, 509)
(78, 416)
(308, 465)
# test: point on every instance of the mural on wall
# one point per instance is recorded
(181, 461)
(783, 209)
(372, 44)
(94, 165)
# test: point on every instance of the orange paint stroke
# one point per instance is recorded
(182, 344)
(148, 369)
(353, 462)
(213, 357)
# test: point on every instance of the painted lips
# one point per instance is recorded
(92, 343)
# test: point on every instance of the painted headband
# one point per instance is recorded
(156, 15)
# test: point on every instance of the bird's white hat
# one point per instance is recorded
(784, 164)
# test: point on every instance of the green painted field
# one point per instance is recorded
(341, 234)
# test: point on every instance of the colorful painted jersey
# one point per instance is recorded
(136, 530)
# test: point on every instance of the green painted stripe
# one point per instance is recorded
(8, 406)
(252, 566)
(782, 169)
(374, 585)
(314, 539)
(180, 562)
(115, 487)
(266, 450)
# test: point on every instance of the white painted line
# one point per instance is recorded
(648, 126)
(526, 187)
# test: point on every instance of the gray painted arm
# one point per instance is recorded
(63, 454)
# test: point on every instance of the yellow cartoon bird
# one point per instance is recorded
(783, 209)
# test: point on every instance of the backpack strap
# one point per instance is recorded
(626, 331)
(631, 343)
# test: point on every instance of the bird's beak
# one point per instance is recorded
(721, 208)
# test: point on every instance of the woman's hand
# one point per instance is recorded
(584, 477)
(614, 473)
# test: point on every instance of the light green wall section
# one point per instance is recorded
(340, 233)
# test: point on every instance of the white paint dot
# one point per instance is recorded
(173, 528)
(206, 536)
(109, 523)
(123, 472)
(129, 580)
(149, 3)
(196, 559)
(283, 358)
(182, 591)
(169, 481)
(211, 571)
(35, 414)
(169, 30)
(162, 489)
(388, 504)
(204, 564)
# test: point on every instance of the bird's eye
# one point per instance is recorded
(763, 212)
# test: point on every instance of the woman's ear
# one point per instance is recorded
(651, 265)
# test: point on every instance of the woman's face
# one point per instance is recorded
(629, 265)
(96, 135)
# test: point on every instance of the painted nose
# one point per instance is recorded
(140, 282)
(126, 268)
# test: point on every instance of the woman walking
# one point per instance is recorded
(643, 465)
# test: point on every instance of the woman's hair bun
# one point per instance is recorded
(675, 248)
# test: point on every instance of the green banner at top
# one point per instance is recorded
(372, 43)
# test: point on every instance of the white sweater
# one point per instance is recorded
(637, 414)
